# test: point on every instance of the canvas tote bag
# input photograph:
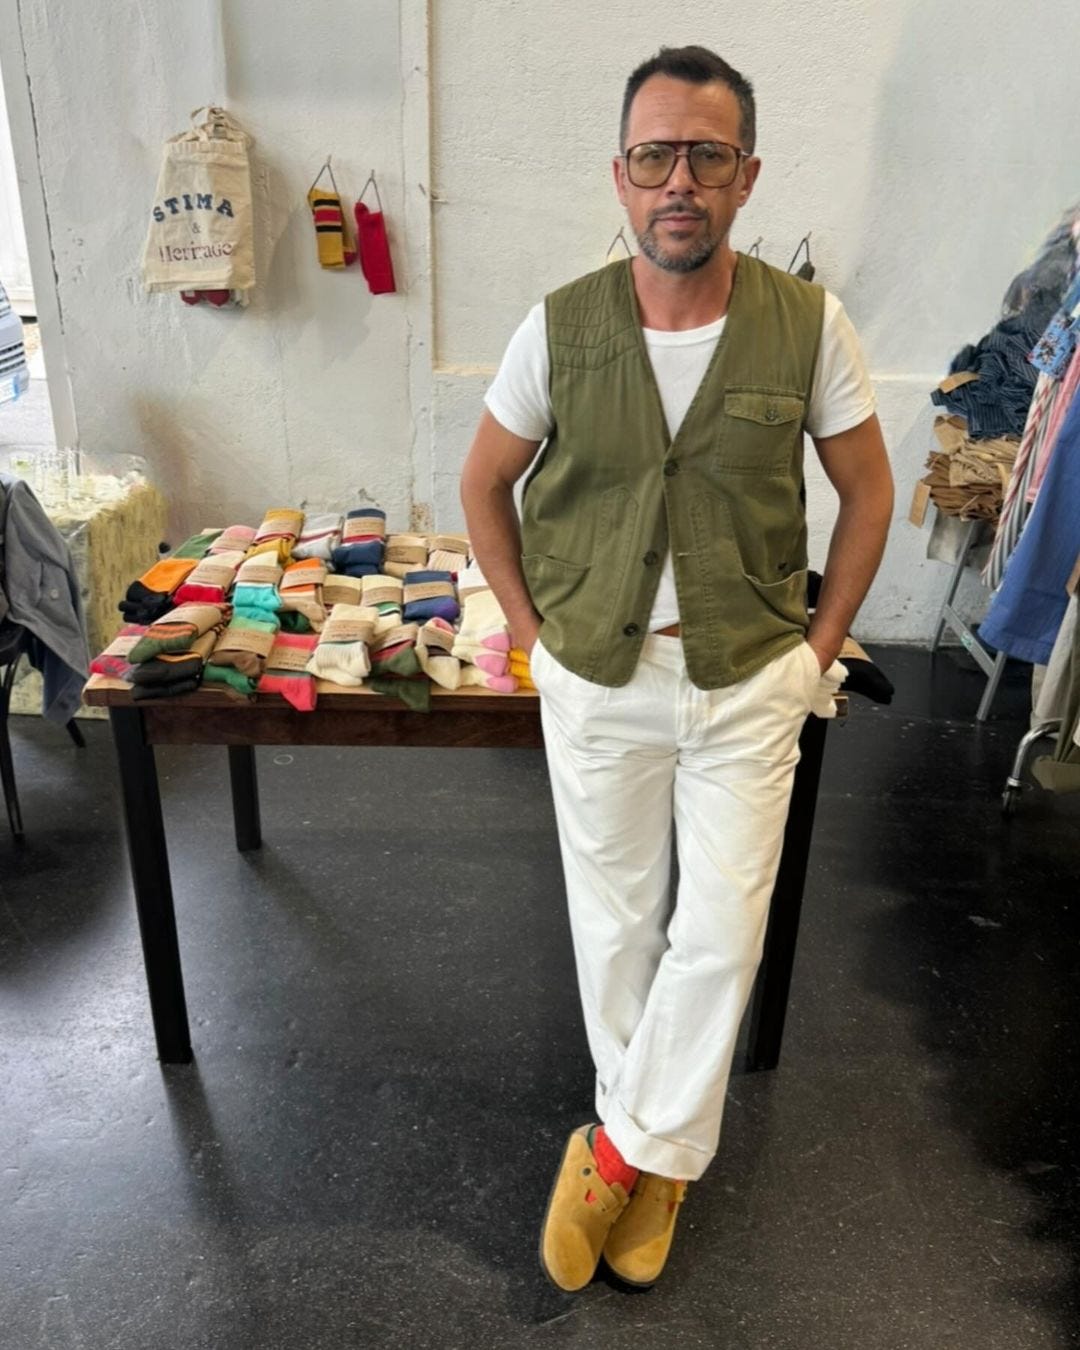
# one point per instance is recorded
(200, 235)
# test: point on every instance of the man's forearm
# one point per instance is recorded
(495, 537)
(855, 550)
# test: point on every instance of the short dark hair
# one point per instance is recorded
(695, 65)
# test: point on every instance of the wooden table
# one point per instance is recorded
(462, 718)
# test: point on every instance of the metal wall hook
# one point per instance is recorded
(372, 184)
(325, 169)
(806, 270)
(620, 238)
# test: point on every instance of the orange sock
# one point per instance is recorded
(610, 1163)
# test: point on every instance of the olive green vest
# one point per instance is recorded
(610, 490)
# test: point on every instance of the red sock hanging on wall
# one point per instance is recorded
(373, 245)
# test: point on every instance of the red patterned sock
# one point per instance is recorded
(610, 1163)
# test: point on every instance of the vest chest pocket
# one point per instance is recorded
(759, 430)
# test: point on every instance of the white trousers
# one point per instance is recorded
(664, 986)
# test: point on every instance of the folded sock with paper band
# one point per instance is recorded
(239, 655)
(174, 672)
(483, 639)
(405, 553)
(278, 532)
(255, 592)
(113, 661)
(286, 671)
(319, 537)
(178, 630)
(363, 543)
(151, 596)
(234, 539)
(385, 594)
(342, 653)
(198, 546)
(429, 595)
(244, 645)
(434, 651)
(211, 580)
(864, 676)
(342, 590)
(395, 667)
(300, 589)
(448, 553)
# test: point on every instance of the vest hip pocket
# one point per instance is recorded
(786, 598)
(759, 430)
(552, 581)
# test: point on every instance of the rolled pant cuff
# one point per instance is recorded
(660, 1156)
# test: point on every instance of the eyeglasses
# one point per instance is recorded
(714, 164)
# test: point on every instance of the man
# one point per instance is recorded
(658, 579)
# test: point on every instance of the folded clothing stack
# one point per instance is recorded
(968, 478)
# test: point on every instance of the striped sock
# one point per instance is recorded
(329, 221)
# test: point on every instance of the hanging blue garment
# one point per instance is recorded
(1026, 612)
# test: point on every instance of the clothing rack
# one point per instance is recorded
(949, 618)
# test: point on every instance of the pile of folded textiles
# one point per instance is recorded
(304, 600)
(968, 477)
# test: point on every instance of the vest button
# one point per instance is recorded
(631, 630)
(671, 468)
(770, 414)
(650, 558)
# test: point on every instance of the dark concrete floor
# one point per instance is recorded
(389, 1053)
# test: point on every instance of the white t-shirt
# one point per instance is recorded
(520, 399)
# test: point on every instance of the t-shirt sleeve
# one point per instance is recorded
(518, 398)
(842, 396)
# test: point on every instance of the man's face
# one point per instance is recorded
(680, 225)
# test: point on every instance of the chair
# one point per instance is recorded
(14, 642)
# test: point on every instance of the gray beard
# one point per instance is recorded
(690, 261)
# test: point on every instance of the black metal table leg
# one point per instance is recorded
(769, 1006)
(153, 888)
(245, 797)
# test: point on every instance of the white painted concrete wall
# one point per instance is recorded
(302, 397)
(928, 149)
